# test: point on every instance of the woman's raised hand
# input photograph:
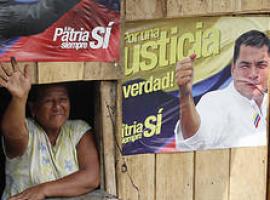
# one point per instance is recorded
(17, 82)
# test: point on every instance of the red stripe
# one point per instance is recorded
(87, 14)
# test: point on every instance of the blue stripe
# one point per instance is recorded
(256, 120)
(26, 1)
(215, 82)
(110, 4)
(7, 44)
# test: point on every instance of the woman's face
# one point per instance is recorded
(52, 108)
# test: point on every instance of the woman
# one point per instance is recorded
(48, 156)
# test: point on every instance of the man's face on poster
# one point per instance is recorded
(250, 71)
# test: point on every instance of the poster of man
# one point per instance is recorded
(176, 68)
(230, 117)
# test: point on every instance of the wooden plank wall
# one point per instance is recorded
(233, 174)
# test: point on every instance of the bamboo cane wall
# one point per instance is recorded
(232, 174)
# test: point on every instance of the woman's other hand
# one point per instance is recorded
(34, 193)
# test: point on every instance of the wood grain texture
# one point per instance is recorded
(223, 6)
(266, 4)
(60, 71)
(142, 10)
(174, 176)
(107, 101)
(102, 71)
(212, 175)
(174, 8)
(248, 169)
(118, 127)
(197, 7)
(251, 5)
(137, 178)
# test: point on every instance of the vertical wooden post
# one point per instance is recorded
(248, 173)
(212, 171)
(107, 102)
(98, 131)
(137, 177)
(175, 176)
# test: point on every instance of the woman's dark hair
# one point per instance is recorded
(36, 91)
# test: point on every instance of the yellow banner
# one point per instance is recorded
(152, 48)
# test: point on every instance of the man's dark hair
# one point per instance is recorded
(251, 38)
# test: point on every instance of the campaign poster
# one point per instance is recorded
(151, 103)
(60, 30)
